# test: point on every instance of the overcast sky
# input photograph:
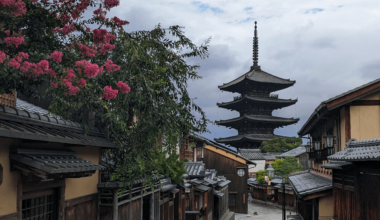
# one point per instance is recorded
(327, 46)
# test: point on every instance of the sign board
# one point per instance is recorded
(266, 178)
(187, 190)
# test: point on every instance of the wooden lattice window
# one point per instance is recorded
(40, 205)
(232, 199)
(344, 178)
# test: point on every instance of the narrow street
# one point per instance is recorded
(263, 213)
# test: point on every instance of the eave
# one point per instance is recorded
(258, 119)
(276, 103)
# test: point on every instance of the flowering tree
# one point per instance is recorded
(133, 85)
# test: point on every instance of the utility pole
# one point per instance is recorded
(283, 199)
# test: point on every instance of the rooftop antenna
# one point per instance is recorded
(255, 50)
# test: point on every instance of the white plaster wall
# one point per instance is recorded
(260, 166)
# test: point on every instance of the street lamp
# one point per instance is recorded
(270, 170)
(329, 139)
(317, 145)
(308, 147)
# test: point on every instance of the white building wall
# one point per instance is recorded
(260, 166)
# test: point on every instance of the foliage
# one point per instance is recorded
(280, 144)
(260, 176)
(286, 166)
(133, 85)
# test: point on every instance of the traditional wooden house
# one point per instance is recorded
(270, 157)
(255, 156)
(48, 166)
(229, 164)
(356, 178)
(255, 104)
(313, 195)
(333, 123)
(302, 156)
(208, 194)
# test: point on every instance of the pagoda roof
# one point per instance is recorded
(256, 99)
(246, 137)
(257, 76)
(258, 118)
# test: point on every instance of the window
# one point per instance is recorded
(231, 199)
(40, 205)
(240, 172)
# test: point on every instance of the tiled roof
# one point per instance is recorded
(218, 193)
(276, 180)
(258, 76)
(195, 168)
(248, 137)
(24, 105)
(53, 162)
(253, 181)
(259, 118)
(295, 152)
(167, 185)
(306, 183)
(323, 104)
(335, 164)
(119, 184)
(22, 124)
(252, 154)
(269, 100)
(215, 144)
(365, 150)
(287, 187)
(271, 155)
(202, 188)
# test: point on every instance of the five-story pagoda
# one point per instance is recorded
(255, 105)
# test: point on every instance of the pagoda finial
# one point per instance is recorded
(255, 48)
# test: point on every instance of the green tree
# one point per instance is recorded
(280, 144)
(286, 166)
(260, 176)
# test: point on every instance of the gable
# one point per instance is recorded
(225, 153)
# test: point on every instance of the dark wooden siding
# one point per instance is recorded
(344, 204)
(228, 167)
(305, 209)
(289, 199)
(87, 211)
(370, 197)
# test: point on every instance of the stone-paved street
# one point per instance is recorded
(263, 213)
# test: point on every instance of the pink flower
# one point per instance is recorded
(118, 22)
(88, 30)
(91, 70)
(54, 85)
(56, 56)
(110, 67)
(8, 32)
(44, 65)
(102, 36)
(14, 41)
(100, 13)
(108, 4)
(13, 63)
(2, 56)
(22, 55)
(25, 66)
(70, 74)
(16, 8)
(87, 51)
(82, 82)
(51, 73)
(123, 87)
(106, 48)
(73, 90)
(68, 29)
(109, 93)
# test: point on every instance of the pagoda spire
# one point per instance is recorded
(255, 49)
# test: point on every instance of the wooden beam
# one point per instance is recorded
(366, 102)
(27, 187)
(347, 123)
(19, 199)
(317, 195)
(81, 199)
(355, 95)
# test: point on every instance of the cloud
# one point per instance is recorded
(371, 69)
(326, 53)
(204, 7)
(314, 10)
